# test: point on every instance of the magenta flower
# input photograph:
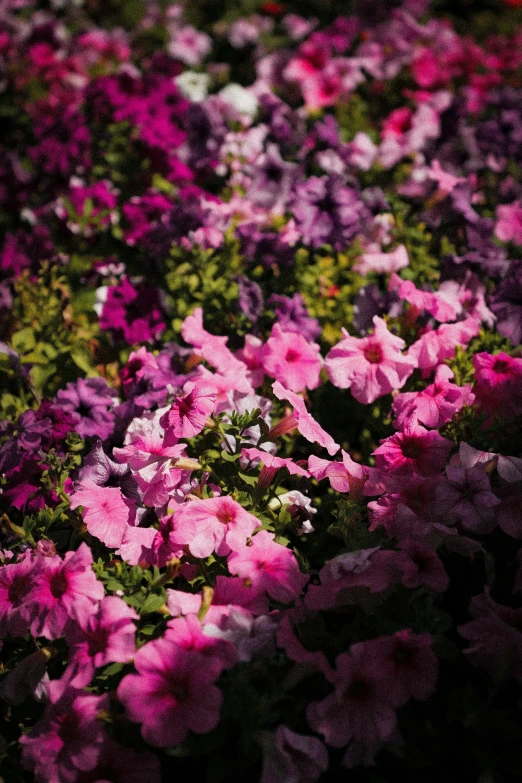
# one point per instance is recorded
(189, 413)
(64, 590)
(68, 739)
(269, 566)
(105, 511)
(347, 476)
(300, 418)
(415, 451)
(214, 525)
(360, 708)
(292, 360)
(172, 693)
(370, 366)
(498, 384)
(105, 637)
(16, 582)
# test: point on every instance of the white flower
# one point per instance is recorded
(193, 85)
(241, 99)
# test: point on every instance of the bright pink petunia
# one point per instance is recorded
(304, 421)
(64, 589)
(188, 634)
(189, 413)
(213, 525)
(68, 739)
(106, 637)
(16, 582)
(498, 384)
(105, 511)
(292, 360)
(369, 366)
(429, 301)
(437, 345)
(269, 566)
(415, 451)
(173, 692)
(213, 349)
(382, 263)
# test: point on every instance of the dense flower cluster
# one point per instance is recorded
(261, 407)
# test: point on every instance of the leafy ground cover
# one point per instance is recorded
(261, 391)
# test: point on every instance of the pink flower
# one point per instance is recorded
(68, 739)
(498, 384)
(106, 512)
(509, 223)
(188, 414)
(189, 45)
(16, 582)
(64, 590)
(291, 360)
(369, 366)
(122, 764)
(360, 707)
(437, 345)
(213, 349)
(415, 451)
(188, 634)
(252, 356)
(347, 476)
(271, 465)
(172, 693)
(382, 263)
(214, 525)
(269, 566)
(435, 405)
(434, 304)
(446, 182)
(150, 459)
(304, 421)
(105, 637)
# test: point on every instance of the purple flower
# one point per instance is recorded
(272, 180)
(465, 496)
(100, 469)
(328, 212)
(506, 303)
(88, 401)
(250, 298)
(292, 316)
(266, 247)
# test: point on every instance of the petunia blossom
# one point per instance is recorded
(213, 525)
(269, 566)
(300, 418)
(292, 360)
(369, 366)
(172, 693)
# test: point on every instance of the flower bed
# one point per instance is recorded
(261, 392)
